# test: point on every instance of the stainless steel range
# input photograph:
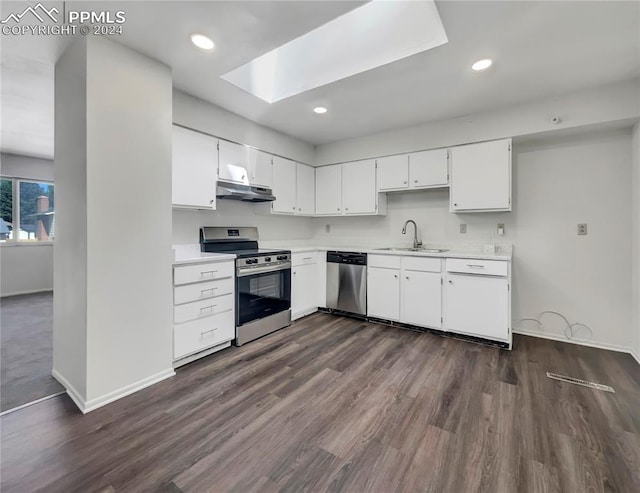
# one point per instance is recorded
(263, 280)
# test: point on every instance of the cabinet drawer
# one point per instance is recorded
(185, 274)
(304, 258)
(204, 308)
(474, 266)
(384, 261)
(202, 290)
(422, 264)
(201, 334)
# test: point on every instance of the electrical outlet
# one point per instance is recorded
(327, 228)
(463, 229)
(582, 229)
(500, 229)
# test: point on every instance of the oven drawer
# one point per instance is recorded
(475, 266)
(202, 290)
(185, 274)
(203, 308)
(198, 335)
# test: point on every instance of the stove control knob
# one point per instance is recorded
(267, 259)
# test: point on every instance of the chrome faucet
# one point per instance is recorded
(416, 243)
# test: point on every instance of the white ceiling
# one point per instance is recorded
(540, 49)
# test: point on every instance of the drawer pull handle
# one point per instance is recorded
(209, 308)
(476, 265)
(209, 273)
(307, 258)
(205, 292)
(205, 332)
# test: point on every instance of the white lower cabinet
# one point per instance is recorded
(204, 309)
(422, 299)
(305, 283)
(472, 297)
(383, 293)
(478, 305)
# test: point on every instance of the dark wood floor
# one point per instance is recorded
(26, 323)
(333, 404)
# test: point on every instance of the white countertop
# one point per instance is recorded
(470, 251)
(191, 254)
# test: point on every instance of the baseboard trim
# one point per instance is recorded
(128, 390)
(77, 399)
(33, 291)
(555, 337)
(86, 406)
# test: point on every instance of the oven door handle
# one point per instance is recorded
(260, 270)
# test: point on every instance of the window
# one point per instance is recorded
(6, 209)
(27, 211)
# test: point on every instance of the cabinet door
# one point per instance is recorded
(393, 172)
(284, 185)
(329, 190)
(305, 190)
(233, 163)
(359, 192)
(383, 293)
(481, 176)
(422, 298)
(304, 289)
(477, 305)
(194, 166)
(259, 168)
(428, 169)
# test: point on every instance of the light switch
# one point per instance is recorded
(500, 229)
(463, 229)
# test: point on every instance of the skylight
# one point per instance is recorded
(370, 36)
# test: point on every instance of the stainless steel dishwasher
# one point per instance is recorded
(347, 282)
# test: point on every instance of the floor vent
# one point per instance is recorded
(584, 383)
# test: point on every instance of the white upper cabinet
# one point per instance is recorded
(284, 185)
(329, 190)
(305, 190)
(481, 177)
(349, 188)
(428, 169)
(425, 169)
(393, 172)
(259, 168)
(359, 193)
(194, 169)
(233, 163)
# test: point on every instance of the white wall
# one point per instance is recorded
(26, 268)
(201, 115)
(130, 314)
(31, 168)
(558, 182)
(636, 241)
(610, 103)
(70, 254)
(113, 263)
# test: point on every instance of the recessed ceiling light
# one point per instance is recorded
(483, 64)
(201, 41)
(320, 109)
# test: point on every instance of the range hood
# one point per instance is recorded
(246, 193)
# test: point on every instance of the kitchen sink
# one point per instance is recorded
(424, 250)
